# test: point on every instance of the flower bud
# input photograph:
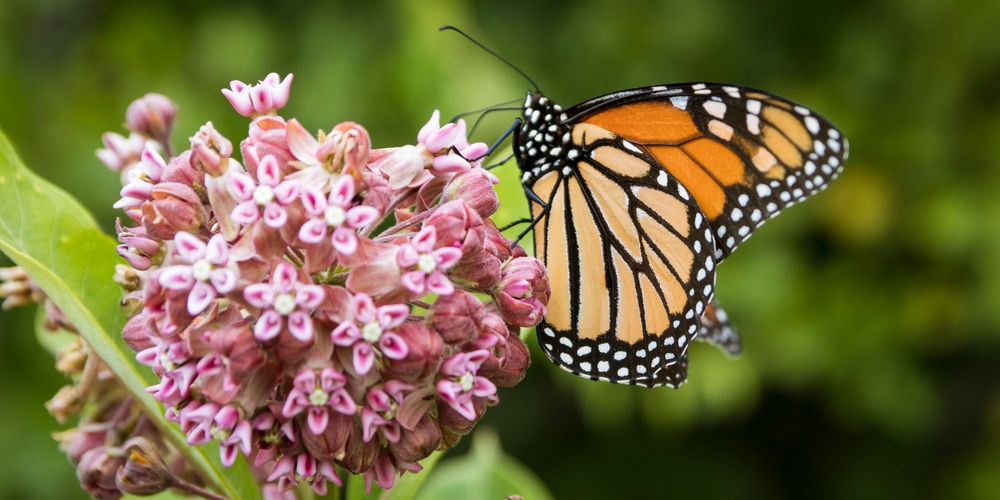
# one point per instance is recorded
(144, 472)
(455, 316)
(417, 444)
(175, 207)
(79, 440)
(120, 153)
(425, 350)
(474, 188)
(514, 363)
(134, 333)
(403, 166)
(453, 424)
(457, 225)
(351, 149)
(360, 455)
(329, 444)
(96, 472)
(210, 151)
(153, 116)
(181, 170)
(523, 291)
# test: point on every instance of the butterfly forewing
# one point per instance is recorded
(744, 154)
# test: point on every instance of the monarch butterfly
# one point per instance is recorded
(638, 195)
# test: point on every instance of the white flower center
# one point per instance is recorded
(335, 216)
(284, 304)
(263, 195)
(466, 381)
(201, 270)
(371, 332)
(427, 263)
(318, 397)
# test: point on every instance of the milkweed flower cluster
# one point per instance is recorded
(313, 305)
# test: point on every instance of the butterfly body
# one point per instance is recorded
(638, 195)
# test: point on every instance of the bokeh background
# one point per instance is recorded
(870, 314)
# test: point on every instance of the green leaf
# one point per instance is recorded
(483, 473)
(52, 237)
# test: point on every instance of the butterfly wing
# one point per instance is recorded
(716, 330)
(629, 255)
(743, 154)
(638, 195)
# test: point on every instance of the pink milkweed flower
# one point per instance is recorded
(210, 421)
(450, 146)
(523, 291)
(152, 115)
(268, 200)
(266, 97)
(379, 412)
(141, 178)
(428, 264)
(290, 469)
(370, 326)
(336, 214)
(317, 393)
(461, 382)
(384, 471)
(206, 274)
(119, 152)
(284, 297)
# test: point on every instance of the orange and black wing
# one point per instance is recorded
(638, 195)
(743, 154)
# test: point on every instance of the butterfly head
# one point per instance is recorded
(544, 141)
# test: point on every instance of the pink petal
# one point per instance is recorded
(361, 216)
(447, 257)
(482, 387)
(268, 171)
(239, 99)
(313, 231)
(345, 334)
(450, 164)
(342, 191)
(430, 127)
(364, 357)
(438, 283)
(309, 296)
(241, 185)
(300, 326)
(259, 295)
(413, 281)
(344, 241)
(341, 401)
(223, 279)
(442, 138)
(260, 96)
(202, 294)
(369, 423)
(284, 278)
(392, 315)
(189, 246)
(407, 256)
(177, 278)
(245, 213)
(217, 251)
(268, 326)
(423, 242)
(393, 346)
(275, 215)
(313, 201)
(364, 308)
(317, 419)
(287, 192)
(301, 143)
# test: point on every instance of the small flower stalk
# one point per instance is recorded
(306, 299)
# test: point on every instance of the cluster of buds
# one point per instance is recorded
(318, 306)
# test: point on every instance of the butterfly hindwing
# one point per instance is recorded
(637, 254)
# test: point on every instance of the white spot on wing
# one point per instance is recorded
(679, 102)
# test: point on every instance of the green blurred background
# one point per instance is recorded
(870, 315)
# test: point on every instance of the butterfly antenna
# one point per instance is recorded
(494, 54)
